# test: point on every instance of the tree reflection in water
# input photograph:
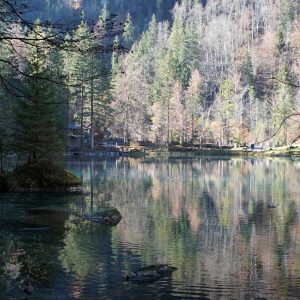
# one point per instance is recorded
(211, 218)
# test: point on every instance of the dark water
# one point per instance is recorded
(208, 217)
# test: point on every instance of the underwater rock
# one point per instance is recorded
(151, 273)
(109, 216)
(27, 288)
(35, 229)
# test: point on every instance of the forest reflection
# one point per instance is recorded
(230, 226)
(227, 223)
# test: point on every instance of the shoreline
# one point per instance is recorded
(152, 151)
(239, 152)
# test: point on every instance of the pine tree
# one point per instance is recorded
(38, 131)
(183, 41)
(9, 79)
(128, 35)
(116, 57)
(282, 31)
(162, 92)
(247, 71)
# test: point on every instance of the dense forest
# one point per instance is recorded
(218, 72)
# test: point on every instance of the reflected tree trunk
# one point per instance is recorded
(92, 185)
(81, 119)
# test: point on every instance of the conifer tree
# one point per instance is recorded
(116, 57)
(247, 71)
(128, 35)
(38, 131)
(282, 31)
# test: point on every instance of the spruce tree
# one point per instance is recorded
(247, 71)
(38, 131)
(128, 35)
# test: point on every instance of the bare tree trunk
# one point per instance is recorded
(1, 157)
(81, 119)
(67, 119)
(168, 125)
(192, 137)
(92, 110)
(92, 185)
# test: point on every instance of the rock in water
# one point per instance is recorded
(162, 269)
(151, 273)
(109, 216)
(28, 288)
(144, 276)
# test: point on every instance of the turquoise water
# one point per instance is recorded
(230, 226)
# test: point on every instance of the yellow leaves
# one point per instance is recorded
(227, 88)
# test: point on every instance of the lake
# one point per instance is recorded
(230, 226)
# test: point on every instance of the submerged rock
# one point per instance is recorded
(27, 287)
(151, 273)
(109, 216)
(35, 229)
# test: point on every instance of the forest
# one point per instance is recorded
(186, 72)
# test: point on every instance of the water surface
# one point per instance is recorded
(230, 226)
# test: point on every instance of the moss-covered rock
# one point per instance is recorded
(40, 178)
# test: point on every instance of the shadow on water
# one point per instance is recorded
(231, 227)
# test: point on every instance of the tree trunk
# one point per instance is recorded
(168, 125)
(81, 119)
(1, 157)
(92, 111)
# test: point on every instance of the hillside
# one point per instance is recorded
(165, 72)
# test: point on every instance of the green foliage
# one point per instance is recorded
(280, 41)
(128, 35)
(247, 71)
(116, 56)
(284, 102)
(227, 89)
(88, 75)
(41, 178)
(282, 31)
(37, 130)
(182, 54)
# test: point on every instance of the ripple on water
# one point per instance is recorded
(215, 228)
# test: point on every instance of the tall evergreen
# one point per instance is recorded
(128, 35)
(38, 131)
(247, 71)
(284, 21)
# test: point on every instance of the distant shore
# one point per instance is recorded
(177, 150)
(138, 151)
